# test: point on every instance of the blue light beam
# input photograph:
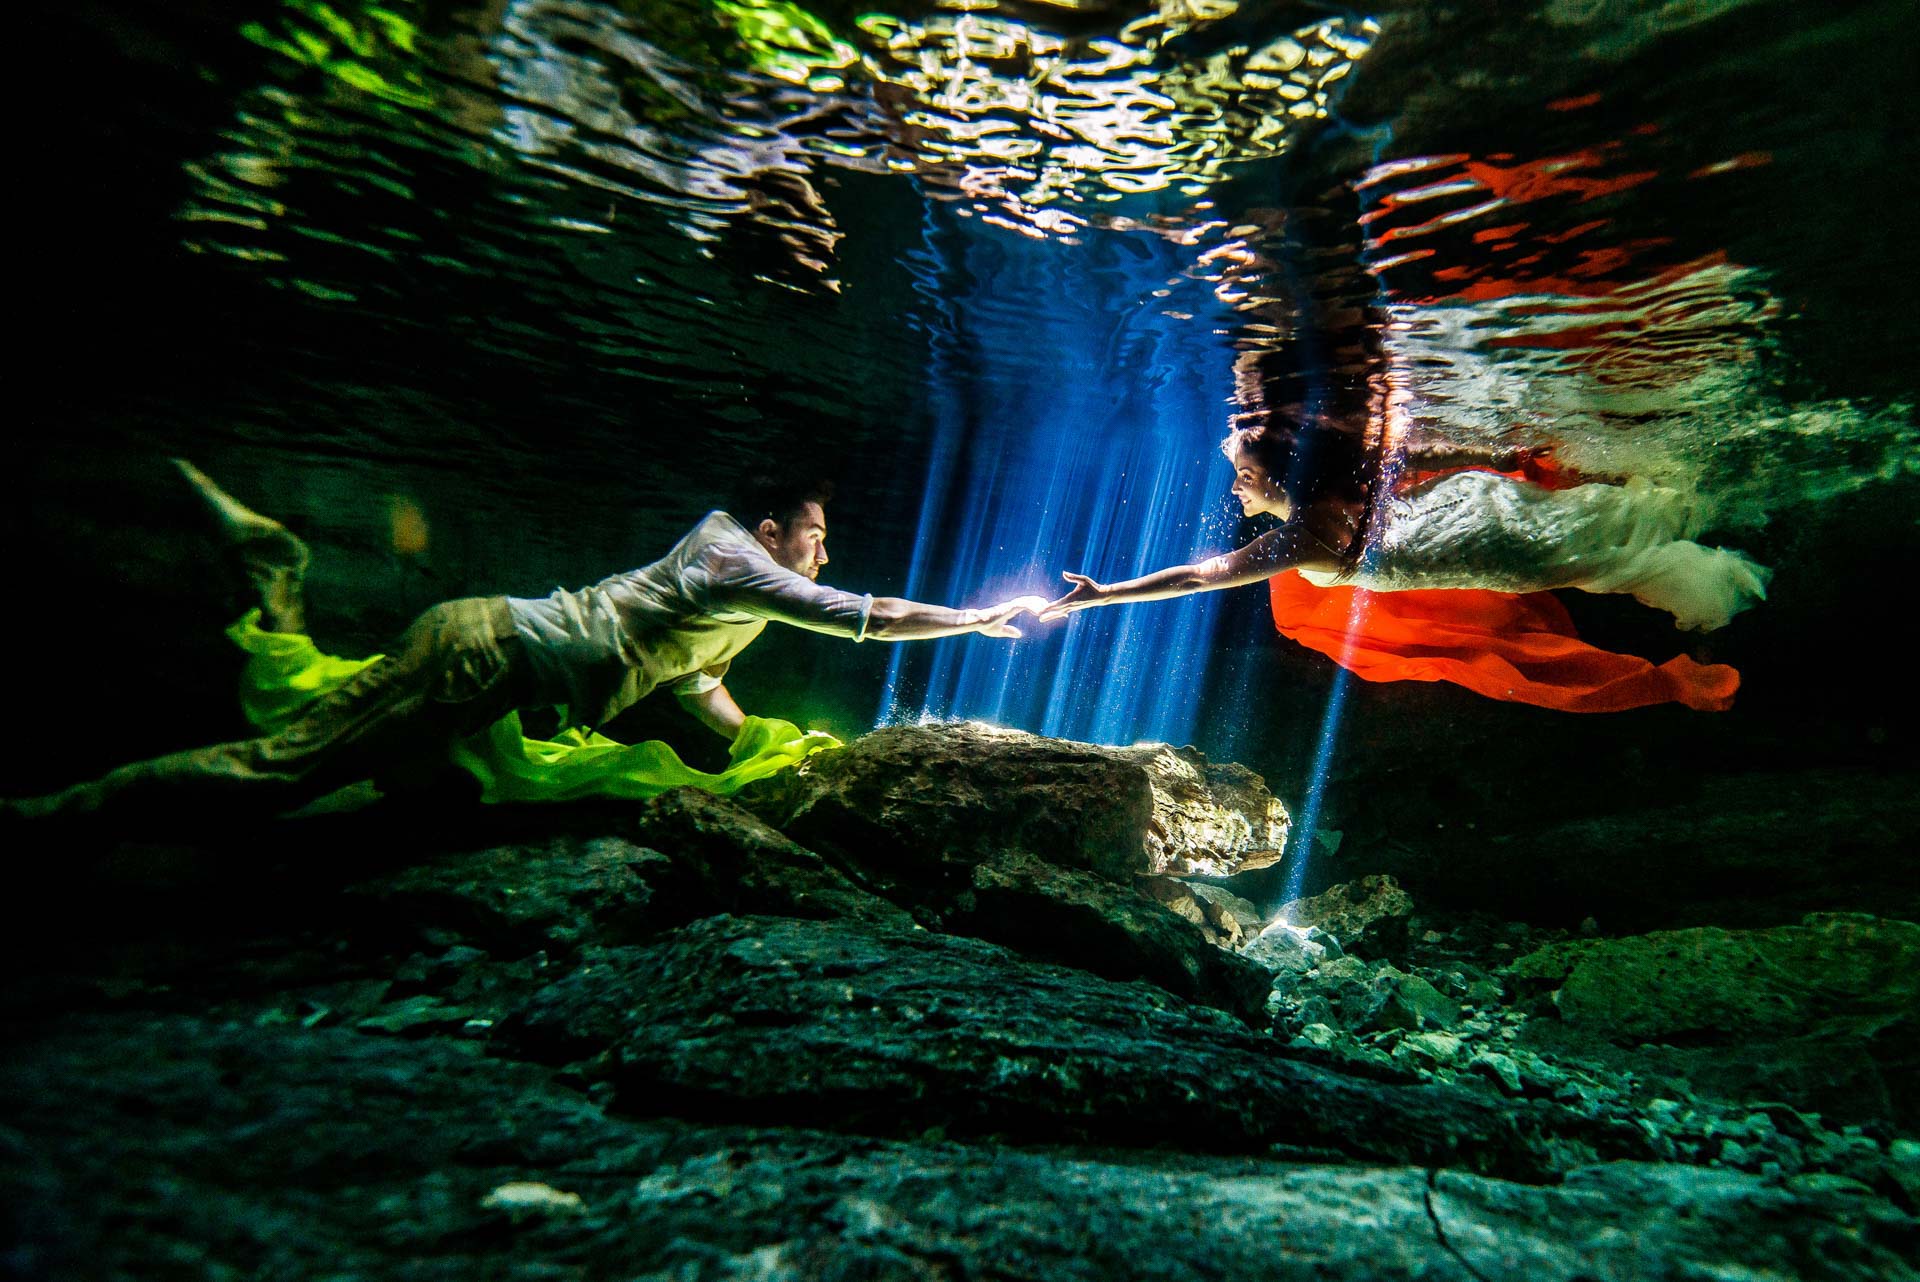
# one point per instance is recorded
(1075, 424)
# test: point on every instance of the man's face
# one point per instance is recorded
(800, 544)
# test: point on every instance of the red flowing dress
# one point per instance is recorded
(1519, 647)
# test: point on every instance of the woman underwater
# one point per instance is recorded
(1452, 569)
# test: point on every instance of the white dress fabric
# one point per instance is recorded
(1479, 530)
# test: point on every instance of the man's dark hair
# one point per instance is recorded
(777, 499)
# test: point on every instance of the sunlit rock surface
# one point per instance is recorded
(1114, 811)
(1370, 913)
(878, 1023)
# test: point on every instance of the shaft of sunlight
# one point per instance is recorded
(1075, 424)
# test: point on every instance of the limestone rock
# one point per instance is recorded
(1410, 1002)
(1345, 986)
(614, 876)
(1824, 1015)
(1367, 915)
(889, 1032)
(1428, 1048)
(1235, 921)
(1209, 818)
(1178, 896)
(1501, 1068)
(564, 890)
(322, 1150)
(1223, 918)
(703, 855)
(1284, 949)
(913, 799)
(521, 1198)
(741, 865)
(1077, 919)
(1833, 974)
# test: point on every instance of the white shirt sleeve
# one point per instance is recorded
(739, 581)
(700, 682)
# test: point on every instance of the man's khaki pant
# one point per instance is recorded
(457, 669)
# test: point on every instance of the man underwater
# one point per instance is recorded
(464, 664)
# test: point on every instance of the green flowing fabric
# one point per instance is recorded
(285, 671)
(584, 763)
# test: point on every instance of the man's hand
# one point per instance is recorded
(994, 621)
(1085, 593)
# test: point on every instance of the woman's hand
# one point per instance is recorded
(994, 621)
(1085, 593)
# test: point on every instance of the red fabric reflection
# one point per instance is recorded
(1496, 187)
(1556, 176)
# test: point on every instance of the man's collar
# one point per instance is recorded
(747, 536)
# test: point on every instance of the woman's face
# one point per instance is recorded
(1255, 488)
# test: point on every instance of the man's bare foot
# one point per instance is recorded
(239, 523)
(271, 556)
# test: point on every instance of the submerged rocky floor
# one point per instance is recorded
(950, 1003)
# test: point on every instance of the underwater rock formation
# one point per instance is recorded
(892, 1033)
(1834, 974)
(229, 1150)
(1369, 913)
(949, 791)
(932, 1008)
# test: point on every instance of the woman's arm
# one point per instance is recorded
(1266, 556)
(1439, 456)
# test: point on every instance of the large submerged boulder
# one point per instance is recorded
(1368, 914)
(615, 876)
(1045, 845)
(1834, 974)
(928, 795)
(1824, 1014)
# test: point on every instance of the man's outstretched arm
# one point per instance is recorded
(716, 710)
(898, 619)
(753, 585)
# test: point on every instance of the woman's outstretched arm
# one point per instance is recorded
(1439, 455)
(1266, 556)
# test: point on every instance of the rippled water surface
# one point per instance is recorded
(545, 273)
